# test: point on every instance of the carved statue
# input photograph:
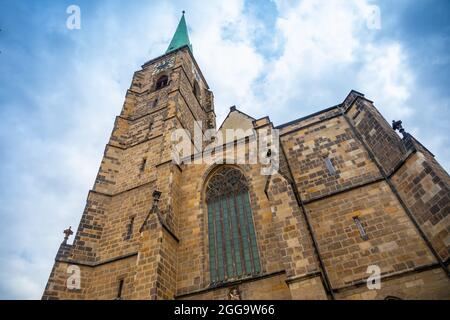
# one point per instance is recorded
(234, 294)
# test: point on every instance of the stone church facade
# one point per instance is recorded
(350, 198)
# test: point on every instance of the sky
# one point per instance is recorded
(61, 89)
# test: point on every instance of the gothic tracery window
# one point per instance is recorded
(233, 250)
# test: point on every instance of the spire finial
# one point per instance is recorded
(183, 12)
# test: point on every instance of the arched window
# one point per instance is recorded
(162, 82)
(233, 251)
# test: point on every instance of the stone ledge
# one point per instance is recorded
(343, 190)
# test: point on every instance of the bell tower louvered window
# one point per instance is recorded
(233, 250)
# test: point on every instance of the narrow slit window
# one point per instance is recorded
(361, 229)
(130, 225)
(330, 167)
(119, 291)
(143, 164)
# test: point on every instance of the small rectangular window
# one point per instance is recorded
(361, 229)
(330, 167)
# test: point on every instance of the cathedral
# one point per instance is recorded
(334, 205)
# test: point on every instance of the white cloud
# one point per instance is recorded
(387, 76)
(224, 50)
(327, 50)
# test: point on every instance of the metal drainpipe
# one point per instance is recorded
(394, 190)
(328, 287)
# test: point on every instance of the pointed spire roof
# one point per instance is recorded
(181, 37)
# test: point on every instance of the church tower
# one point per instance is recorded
(125, 245)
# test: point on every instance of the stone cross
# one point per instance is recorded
(68, 233)
(397, 125)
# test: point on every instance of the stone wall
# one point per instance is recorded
(307, 148)
(393, 244)
(303, 215)
(427, 194)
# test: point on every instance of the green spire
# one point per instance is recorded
(181, 37)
